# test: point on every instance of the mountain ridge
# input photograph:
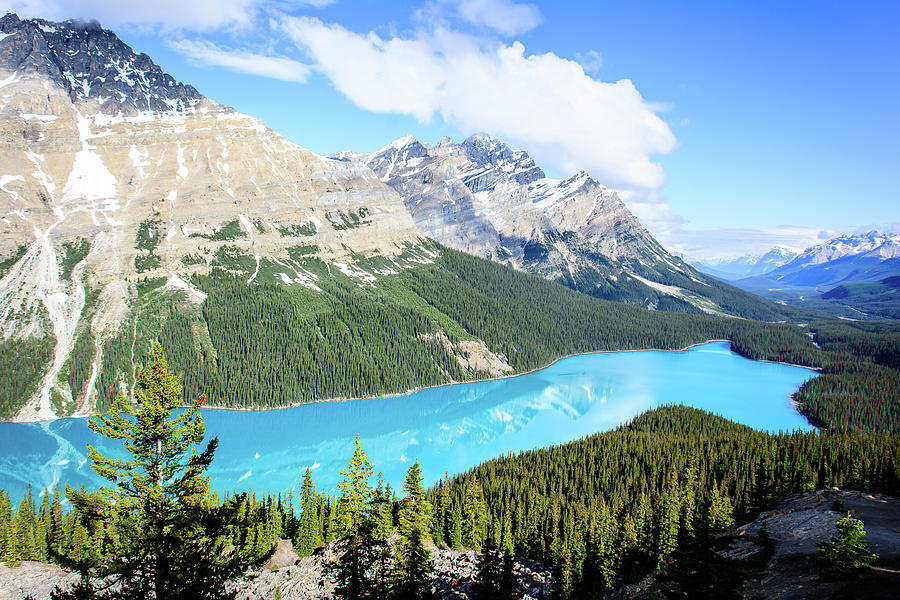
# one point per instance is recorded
(129, 220)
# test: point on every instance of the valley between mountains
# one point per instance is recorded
(162, 254)
(136, 209)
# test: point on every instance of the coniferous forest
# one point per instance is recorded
(602, 511)
(268, 345)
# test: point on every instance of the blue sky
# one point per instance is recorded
(726, 126)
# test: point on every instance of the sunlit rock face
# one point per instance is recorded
(482, 197)
(112, 172)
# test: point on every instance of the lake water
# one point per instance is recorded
(449, 429)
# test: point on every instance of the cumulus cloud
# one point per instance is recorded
(541, 102)
(198, 15)
(206, 53)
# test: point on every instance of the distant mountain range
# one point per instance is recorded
(851, 275)
(749, 265)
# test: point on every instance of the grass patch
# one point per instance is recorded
(226, 233)
(303, 229)
(7, 263)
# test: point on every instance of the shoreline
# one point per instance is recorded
(440, 385)
(452, 383)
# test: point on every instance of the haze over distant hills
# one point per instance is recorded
(749, 265)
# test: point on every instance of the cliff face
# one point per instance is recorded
(484, 198)
(113, 172)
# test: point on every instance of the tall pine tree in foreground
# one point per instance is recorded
(358, 552)
(173, 541)
(411, 579)
(308, 530)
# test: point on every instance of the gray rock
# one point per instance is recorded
(91, 63)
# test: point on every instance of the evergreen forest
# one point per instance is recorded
(603, 510)
(268, 344)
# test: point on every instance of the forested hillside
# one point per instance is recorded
(265, 344)
(608, 508)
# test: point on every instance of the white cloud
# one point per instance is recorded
(208, 54)
(543, 103)
(591, 61)
(503, 16)
(198, 15)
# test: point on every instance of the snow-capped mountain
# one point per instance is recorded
(849, 258)
(749, 265)
(124, 193)
(112, 174)
(483, 197)
(879, 246)
(91, 63)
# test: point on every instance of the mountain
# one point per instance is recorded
(115, 174)
(749, 265)
(484, 198)
(137, 210)
(846, 259)
(844, 276)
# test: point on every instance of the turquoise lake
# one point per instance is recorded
(448, 429)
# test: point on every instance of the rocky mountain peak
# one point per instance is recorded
(406, 152)
(497, 160)
(91, 64)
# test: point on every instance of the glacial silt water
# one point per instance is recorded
(448, 429)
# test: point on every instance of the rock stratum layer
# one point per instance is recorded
(113, 172)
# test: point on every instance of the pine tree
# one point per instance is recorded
(847, 551)
(382, 529)
(358, 553)
(27, 525)
(509, 584)
(411, 575)
(475, 516)
(440, 529)
(56, 520)
(488, 584)
(12, 551)
(45, 523)
(563, 578)
(669, 518)
(175, 541)
(719, 511)
(307, 530)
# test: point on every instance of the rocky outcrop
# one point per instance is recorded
(484, 198)
(776, 552)
(305, 578)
